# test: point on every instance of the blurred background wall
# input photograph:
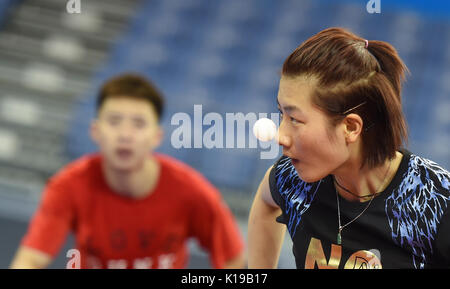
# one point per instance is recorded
(223, 54)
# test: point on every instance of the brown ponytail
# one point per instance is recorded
(390, 63)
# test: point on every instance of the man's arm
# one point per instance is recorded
(265, 235)
(48, 228)
(214, 226)
(28, 258)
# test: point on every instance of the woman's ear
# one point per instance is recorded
(353, 125)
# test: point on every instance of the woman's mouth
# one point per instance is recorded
(293, 161)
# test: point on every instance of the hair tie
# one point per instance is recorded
(367, 43)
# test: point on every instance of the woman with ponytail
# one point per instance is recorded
(349, 193)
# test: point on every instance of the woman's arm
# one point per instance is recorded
(265, 235)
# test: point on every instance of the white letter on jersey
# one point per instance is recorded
(117, 264)
(144, 263)
(166, 261)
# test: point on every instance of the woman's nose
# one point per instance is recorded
(284, 141)
(283, 138)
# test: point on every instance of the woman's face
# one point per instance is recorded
(315, 148)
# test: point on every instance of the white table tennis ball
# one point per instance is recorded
(264, 129)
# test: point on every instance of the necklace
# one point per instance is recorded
(341, 227)
(355, 195)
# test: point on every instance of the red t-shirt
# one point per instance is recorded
(113, 231)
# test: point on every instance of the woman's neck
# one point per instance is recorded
(359, 184)
(137, 183)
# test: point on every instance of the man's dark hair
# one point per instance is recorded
(131, 86)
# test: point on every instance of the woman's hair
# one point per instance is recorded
(354, 75)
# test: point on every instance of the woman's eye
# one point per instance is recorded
(293, 120)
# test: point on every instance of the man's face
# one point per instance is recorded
(305, 132)
(126, 131)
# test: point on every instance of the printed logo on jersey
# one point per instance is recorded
(364, 259)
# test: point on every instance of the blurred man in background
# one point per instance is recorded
(128, 207)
